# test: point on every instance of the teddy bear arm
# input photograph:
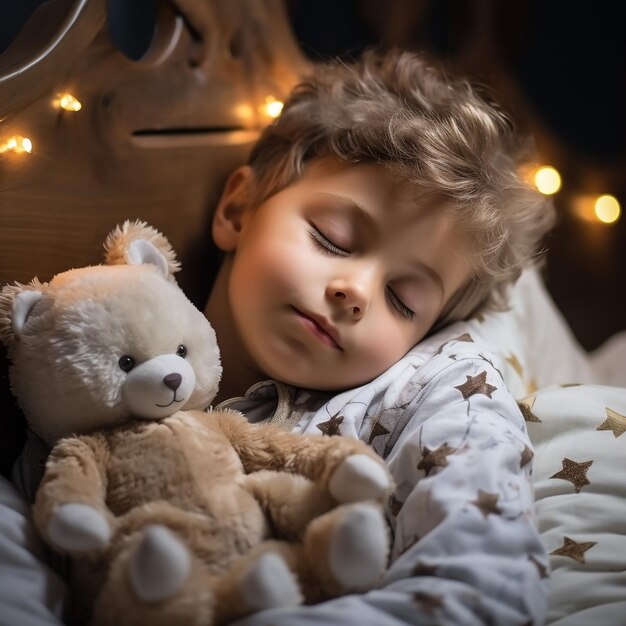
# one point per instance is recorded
(75, 474)
(265, 446)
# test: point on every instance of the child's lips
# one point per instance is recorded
(321, 328)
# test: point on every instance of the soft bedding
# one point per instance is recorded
(579, 434)
(31, 593)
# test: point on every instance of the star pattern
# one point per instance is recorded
(466, 337)
(576, 473)
(423, 569)
(476, 385)
(377, 431)
(395, 505)
(525, 406)
(487, 503)
(429, 602)
(573, 550)
(526, 456)
(331, 427)
(542, 569)
(513, 361)
(435, 458)
(614, 422)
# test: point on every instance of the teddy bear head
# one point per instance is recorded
(99, 345)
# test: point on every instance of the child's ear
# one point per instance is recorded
(235, 200)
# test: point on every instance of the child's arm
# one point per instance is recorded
(347, 467)
(466, 549)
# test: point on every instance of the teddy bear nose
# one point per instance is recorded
(173, 381)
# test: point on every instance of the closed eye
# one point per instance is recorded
(399, 306)
(325, 244)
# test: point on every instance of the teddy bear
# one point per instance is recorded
(171, 511)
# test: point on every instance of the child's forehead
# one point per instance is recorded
(362, 189)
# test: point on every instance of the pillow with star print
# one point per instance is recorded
(579, 476)
(532, 340)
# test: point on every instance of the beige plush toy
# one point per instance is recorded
(175, 516)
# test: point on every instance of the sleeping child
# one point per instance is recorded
(380, 210)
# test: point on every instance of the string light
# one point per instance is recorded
(604, 209)
(547, 180)
(67, 102)
(607, 209)
(17, 144)
(272, 107)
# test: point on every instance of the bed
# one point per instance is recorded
(154, 138)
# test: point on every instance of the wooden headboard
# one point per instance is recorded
(154, 137)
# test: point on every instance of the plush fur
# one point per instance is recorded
(173, 514)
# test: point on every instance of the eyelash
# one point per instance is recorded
(326, 244)
(400, 307)
(328, 247)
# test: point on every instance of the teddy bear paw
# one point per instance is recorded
(358, 548)
(78, 528)
(269, 583)
(358, 478)
(159, 565)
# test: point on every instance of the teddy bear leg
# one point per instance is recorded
(291, 501)
(344, 551)
(154, 580)
(262, 579)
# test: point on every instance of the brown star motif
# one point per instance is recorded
(576, 473)
(464, 337)
(430, 602)
(525, 406)
(410, 544)
(424, 569)
(475, 385)
(614, 422)
(526, 457)
(513, 361)
(331, 427)
(573, 549)
(377, 431)
(395, 505)
(542, 569)
(487, 503)
(435, 458)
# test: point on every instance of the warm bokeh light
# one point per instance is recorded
(547, 180)
(607, 209)
(272, 107)
(67, 102)
(244, 111)
(17, 144)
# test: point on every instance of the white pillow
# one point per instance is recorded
(31, 593)
(579, 435)
(535, 345)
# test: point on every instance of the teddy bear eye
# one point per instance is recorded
(126, 363)
(181, 351)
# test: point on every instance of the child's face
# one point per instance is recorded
(336, 277)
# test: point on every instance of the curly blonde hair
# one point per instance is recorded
(440, 134)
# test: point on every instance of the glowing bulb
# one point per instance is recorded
(67, 102)
(272, 107)
(547, 180)
(607, 209)
(17, 144)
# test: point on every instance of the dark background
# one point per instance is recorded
(559, 68)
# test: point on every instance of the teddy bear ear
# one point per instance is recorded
(16, 303)
(136, 243)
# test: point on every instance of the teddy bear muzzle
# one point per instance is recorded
(159, 386)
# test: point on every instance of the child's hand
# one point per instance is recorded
(359, 477)
(78, 528)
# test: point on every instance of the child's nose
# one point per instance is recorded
(350, 297)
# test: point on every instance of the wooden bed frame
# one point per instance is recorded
(154, 138)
